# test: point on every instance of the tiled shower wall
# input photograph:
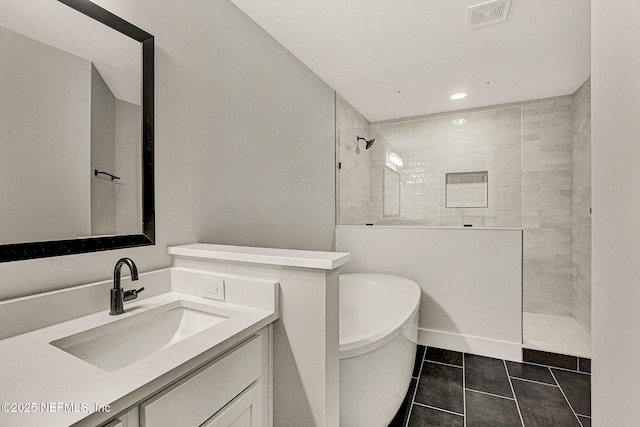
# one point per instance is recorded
(487, 140)
(546, 205)
(581, 210)
(538, 157)
(353, 177)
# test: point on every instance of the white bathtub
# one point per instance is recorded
(378, 335)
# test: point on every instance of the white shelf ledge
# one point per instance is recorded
(271, 256)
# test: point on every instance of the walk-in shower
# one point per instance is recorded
(523, 166)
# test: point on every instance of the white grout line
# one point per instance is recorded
(532, 381)
(510, 378)
(490, 394)
(515, 398)
(415, 390)
(565, 398)
(444, 364)
(555, 367)
(464, 393)
(438, 409)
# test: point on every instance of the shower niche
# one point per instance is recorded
(467, 190)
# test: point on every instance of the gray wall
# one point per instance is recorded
(615, 59)
(45, 122)
(581, 206)
(116, 205)
(128, 154)
(103, 156)
(245, 144)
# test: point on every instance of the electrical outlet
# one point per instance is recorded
(213, 287)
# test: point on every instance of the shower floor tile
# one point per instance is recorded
(557, 334)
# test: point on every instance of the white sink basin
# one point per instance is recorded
(120, 343)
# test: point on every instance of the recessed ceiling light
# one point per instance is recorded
(458, 95)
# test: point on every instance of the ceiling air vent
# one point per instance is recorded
(488, 13)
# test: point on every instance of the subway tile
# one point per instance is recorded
(486, 374)
(577, 387)
(530, 372)
(543, 405)
(444, 356)
(427, 417)
(483, 410)
(440, 386)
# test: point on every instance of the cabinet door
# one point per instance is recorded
(192, 400)
(243, 411)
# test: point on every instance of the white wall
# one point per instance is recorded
(45, 122)
(471, 281)
(615, 134)
(245, 144)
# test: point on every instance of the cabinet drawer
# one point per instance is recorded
(196, 398)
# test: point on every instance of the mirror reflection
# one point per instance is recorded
(71, 106)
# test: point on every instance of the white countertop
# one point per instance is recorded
(272, 256)
(35, 372)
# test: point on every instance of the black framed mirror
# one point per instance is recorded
(92, 238)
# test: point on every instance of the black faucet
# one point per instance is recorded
(118, 296)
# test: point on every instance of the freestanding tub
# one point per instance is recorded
(378, 335)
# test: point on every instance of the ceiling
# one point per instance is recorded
(401, 58)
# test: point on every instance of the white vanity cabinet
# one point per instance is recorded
(243, 411)
(233, 389)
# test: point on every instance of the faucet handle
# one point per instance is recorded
(132, 294)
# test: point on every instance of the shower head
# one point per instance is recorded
(369, 143)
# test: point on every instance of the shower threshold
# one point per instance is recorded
(556, 334)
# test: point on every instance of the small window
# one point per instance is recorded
(467, 190)
(391, 193)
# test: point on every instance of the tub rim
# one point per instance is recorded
(385, 335)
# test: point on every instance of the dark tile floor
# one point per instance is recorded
(449, 388)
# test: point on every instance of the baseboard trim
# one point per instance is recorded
(470, 344)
